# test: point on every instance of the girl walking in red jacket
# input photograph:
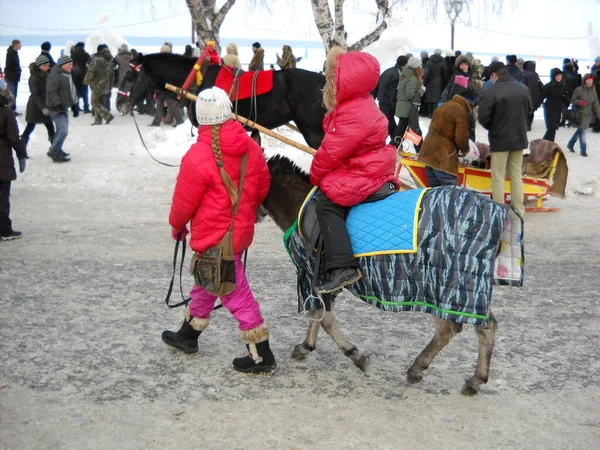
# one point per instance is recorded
(353, 161)
(201, 197)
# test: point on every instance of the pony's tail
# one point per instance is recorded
(216, 147)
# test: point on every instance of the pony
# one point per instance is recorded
(289, 189)
(296, 95)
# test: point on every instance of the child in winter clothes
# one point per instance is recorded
(353, 161)
(202, 196)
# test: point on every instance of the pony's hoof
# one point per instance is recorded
(363, 363)
(469, 389)
(413, 378)
(300, 352)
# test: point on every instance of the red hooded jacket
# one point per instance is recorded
(201, 197)
(353, 160)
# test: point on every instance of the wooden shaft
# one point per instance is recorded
(279, 137)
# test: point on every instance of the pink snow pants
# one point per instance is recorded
(240, 303)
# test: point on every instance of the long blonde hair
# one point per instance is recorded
(216, 148)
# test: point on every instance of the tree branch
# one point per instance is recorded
(323, 20)
(340, 31)
(220, 16)
(368, 39)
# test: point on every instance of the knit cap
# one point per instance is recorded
(450, 53)
(437, 51)
(461, 81)
(414, 62)
(213, 107)
(64, 59)
(2, 83)
(597, 59)
(41, 60)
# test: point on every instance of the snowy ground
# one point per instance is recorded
(82, 364)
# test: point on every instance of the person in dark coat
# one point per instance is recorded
(60, 96)
(450, 60)
(486, 70)
(123, 59)
(12, 71)
(188, 53)
(572, 81)
(37, 112)
(463, 68)
(425, 58)
(46, 47)
(386, 91)
(553, 93)
(9, 141)
(535, 86)
(434, 80)
(81, 58)
(503, 111)
(513, 70)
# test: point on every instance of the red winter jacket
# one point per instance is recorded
(201, 197)
(353, 161)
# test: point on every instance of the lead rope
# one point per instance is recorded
(144, 143)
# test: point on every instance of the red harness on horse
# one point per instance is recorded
(245, 85)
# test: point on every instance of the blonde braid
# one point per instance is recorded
(216, 147)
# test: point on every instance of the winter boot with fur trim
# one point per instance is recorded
(260, 359)
(186, 339)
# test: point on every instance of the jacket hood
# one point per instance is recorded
(232, 49)
(462, 102)
(35, 70)
(105, 53)
(463, 59)
(554, 72)
(529, 66)
(58, 69)
(231, 134)
(349, 75)
(407, 72)
(436, 59)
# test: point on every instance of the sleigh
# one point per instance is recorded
(536, 189)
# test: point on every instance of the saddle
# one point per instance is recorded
(385, 223)
(241, 86)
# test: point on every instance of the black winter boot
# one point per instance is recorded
(260, 360)
(338, 279)
(186, 339)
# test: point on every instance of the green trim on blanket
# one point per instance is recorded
(286, 238)
(428, 305)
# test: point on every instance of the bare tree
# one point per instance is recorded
(332, 29)
(208, 19)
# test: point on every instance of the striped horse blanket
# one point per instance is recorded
(466, 244)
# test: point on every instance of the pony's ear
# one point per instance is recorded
(255, 136)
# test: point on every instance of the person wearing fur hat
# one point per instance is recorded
(207, 187)
(99, 78)
(257, 62)
(36, 111)
(585, 98)
(231, 58)
(447, 139)
(61, 94)
(435, 82)
(513, 70)
(287, 60)
(462, 68)
(410, 91)
(553, 93)
(353, 161)
(386, 92)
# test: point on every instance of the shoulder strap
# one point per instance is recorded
(241, 184)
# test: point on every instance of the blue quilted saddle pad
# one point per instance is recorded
(386, 226)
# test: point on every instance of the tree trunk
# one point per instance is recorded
(334, 33)
(207, 20)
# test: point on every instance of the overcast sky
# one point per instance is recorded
(292, 19)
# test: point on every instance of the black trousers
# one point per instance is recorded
(5, 223)
(550, 134)
(31, 126)
(403, 124)
(389, 111)
(336, 241)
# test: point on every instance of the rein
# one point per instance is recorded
(145, 146)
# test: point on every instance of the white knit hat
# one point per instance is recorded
(414, 62)
(213, 107)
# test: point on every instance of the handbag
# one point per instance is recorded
(214, 269)
(574, 115)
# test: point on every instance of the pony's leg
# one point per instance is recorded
(486, 338)
(444, 332)
(301, 351)
(332, 328)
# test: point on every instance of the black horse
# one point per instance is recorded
(296, 95)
